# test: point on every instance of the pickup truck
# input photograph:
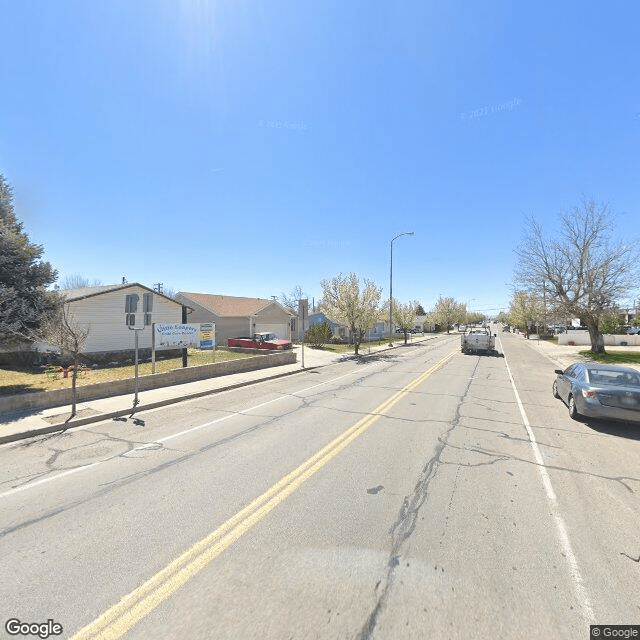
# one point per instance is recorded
(478, 340)
(264, 340)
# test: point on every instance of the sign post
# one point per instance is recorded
(303, 311)
(130, 309)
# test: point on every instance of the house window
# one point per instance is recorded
(293, 324)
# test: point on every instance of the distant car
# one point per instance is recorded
(506, 328)
(633, 331)
(262, 340)
(462, 328)
(599, 391)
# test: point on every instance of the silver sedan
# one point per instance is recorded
(599, 391)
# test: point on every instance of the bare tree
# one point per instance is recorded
(290, 301)
(169, 292)
(582, 272)
(345, 302)
(68, 335)
(76, 281)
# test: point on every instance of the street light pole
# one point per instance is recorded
(406, 233)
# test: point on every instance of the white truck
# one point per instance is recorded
(478, 340)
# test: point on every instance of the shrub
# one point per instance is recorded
(318, 335)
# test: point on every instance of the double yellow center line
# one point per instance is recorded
(117, 620)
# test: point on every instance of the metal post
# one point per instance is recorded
(301, 309)
(185, 360)
(153, 347)
(391, 293)
(135, 397)
(136, 374)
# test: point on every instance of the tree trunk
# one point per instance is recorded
(597, 339)
(74, 377)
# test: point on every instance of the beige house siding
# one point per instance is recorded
(104, 315)
(272, 317)
(198, 313)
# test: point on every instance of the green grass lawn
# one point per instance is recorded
(613, 357)
(25, 380)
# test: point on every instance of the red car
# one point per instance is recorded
(263, 340)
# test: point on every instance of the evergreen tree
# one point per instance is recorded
(24, 301)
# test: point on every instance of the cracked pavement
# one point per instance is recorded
(433, 522)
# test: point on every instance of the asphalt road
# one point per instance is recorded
(420, 493)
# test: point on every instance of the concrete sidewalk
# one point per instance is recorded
(564, 355)
(27, 424)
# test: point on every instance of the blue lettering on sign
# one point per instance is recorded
(176, 329)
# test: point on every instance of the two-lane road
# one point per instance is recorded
(420, 493)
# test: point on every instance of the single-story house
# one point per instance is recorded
(424, 324)
(343, 332)
(102, 310)
(235, 316)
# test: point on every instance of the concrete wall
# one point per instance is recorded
(61, 397)
(582, 338)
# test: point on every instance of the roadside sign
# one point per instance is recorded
(179, 336)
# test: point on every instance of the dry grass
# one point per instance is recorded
(27, 380)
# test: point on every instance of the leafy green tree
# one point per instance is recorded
(525, 309)
(404, 316)
(448, 311)
(611, 321)
(318, 335)
(25, 304)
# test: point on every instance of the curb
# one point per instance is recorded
(79, 422)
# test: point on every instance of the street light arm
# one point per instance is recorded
(406, 233)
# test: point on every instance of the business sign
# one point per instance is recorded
(207, 335)
(180, 336)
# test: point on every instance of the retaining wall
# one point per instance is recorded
(582, 338)
(61, 397)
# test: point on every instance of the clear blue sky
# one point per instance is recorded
(247, 147)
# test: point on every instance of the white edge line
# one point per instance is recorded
(37, 483)
(150, 445)
(561, 527)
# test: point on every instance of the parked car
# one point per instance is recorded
(599, 391)
(462, 328)
(633, 331)
(506, 328)
(262, 340)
